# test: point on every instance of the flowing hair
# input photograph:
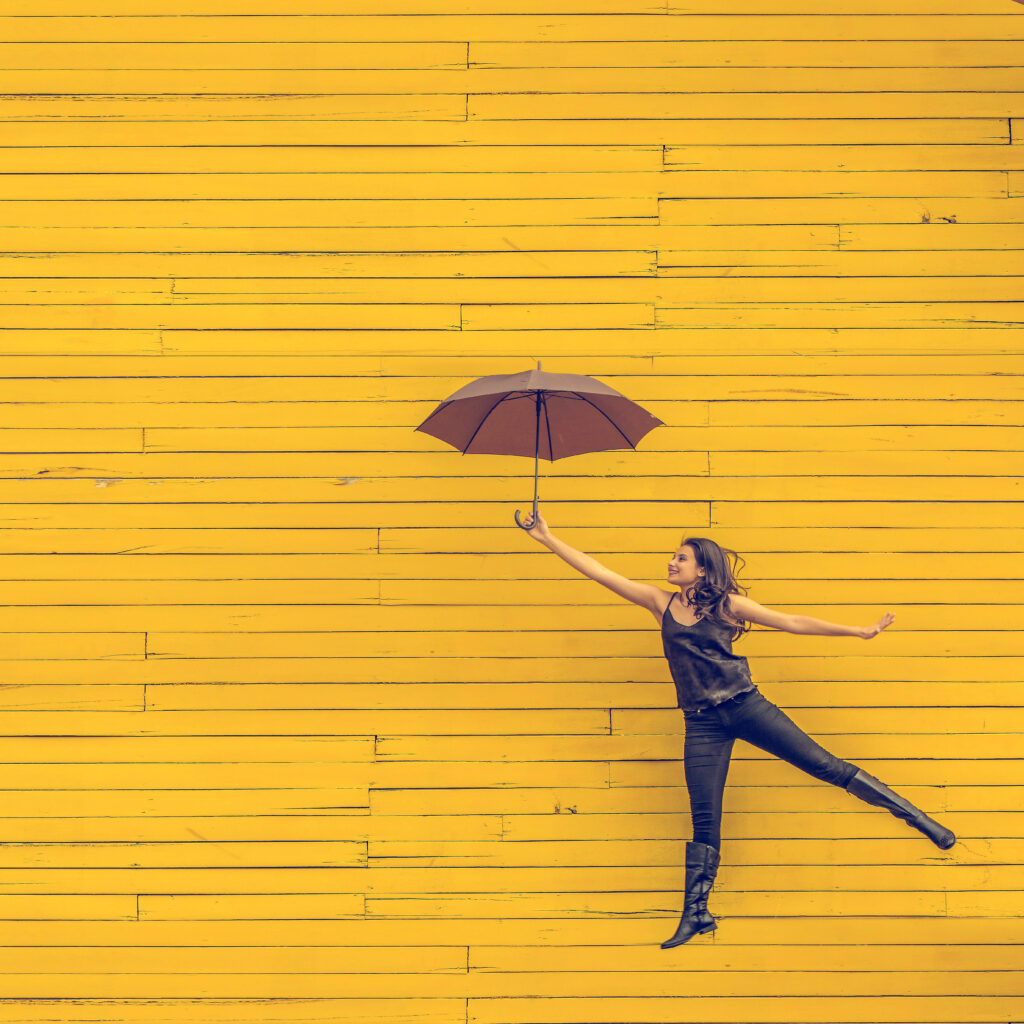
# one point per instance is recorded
(709, 596)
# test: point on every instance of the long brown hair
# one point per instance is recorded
(709, 596)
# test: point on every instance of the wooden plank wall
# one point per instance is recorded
(297, 725)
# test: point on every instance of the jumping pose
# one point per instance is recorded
(720, 702)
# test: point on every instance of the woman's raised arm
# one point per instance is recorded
(644, 594)
(750, 611)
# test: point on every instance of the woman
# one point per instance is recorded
(720, 702)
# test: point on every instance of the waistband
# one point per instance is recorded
(724, 704)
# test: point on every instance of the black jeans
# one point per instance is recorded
(749, 716)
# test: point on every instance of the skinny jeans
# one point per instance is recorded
(710, 734)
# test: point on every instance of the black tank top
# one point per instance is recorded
(700, 657)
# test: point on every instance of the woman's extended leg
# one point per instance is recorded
(867, 788)
(761, 723)
(706, 754)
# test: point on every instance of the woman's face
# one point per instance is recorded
(682, 569)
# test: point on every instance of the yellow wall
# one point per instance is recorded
(298, 726)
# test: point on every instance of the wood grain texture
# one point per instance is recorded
(296, 725)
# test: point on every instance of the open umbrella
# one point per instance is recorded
(543, 415)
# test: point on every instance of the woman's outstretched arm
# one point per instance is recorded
(644, 594)
(750, 611)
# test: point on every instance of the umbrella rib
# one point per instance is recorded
(444, 405)
(547, 424)
(507, 394)
(606, 416)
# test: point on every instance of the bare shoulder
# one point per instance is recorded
(738, 604)
(660, 599)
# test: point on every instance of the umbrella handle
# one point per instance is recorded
(519, 523)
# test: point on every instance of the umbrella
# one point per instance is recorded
(543, 415)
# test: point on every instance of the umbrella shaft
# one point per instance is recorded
(536, 467)
(536, 461)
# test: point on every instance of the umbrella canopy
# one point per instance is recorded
(539, 415)
(543, 415)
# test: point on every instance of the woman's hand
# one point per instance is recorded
(883, 623)
(537, 530)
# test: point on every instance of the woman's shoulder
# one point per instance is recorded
(662, 599)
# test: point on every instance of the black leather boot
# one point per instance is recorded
(701, 868)
(867, 788)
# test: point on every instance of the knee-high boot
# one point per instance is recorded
(870, 790)
(701, 868)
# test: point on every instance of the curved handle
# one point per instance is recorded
(519, 523)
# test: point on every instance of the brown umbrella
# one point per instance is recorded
(543, 415)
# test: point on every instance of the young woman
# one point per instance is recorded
(720, 703)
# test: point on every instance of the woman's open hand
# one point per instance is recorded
(538, 529)
(883, 623)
